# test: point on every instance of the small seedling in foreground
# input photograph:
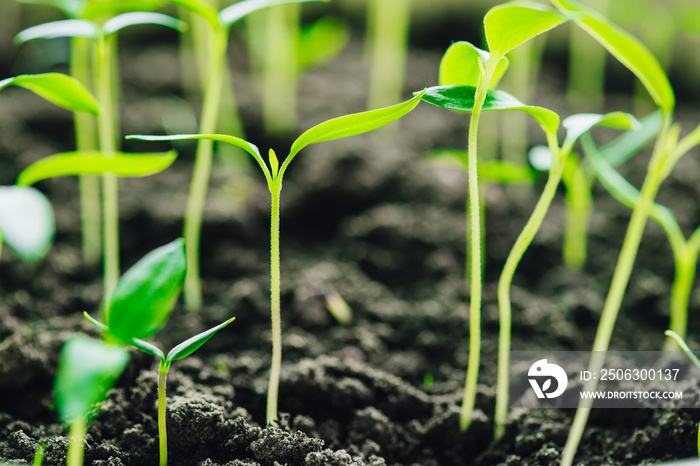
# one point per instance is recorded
(141, 304)
(341, 127)
(87, 369)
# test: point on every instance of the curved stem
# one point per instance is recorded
(192, 290)
(276, 366)
(623, 269)
(76, 447)
(474, 247)
(506, 279)
(680, 295)
(162, 402)
(110, 187)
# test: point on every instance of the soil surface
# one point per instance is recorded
(367, 218)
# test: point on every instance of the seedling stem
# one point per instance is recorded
(78, 429)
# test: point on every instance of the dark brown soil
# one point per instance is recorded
(367, 218)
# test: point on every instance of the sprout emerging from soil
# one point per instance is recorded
(141, 304)
(336, 128)
(471, 73)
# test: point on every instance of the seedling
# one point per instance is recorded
(344, 126)
(668, 149)
(105, 38)
(506, 27)
(220, 24)
(87, 369)
(140, 306)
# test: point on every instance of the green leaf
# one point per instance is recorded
(139, 344)
(111, 8)
(55, 29)
(96, 163)
(629, 143)
(87, 369)
(577, 125)
(57, 88)
(461, 66)
(239, 10)
(461, 99)
(511, 24)
(191, 345)
(141, 18)
(146, 293)
(26, 222)
(322, 41)
(252, 149)
(351, 125)
(627, 49)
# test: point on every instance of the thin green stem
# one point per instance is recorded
(275, 314)
(162, 403)
(76, 446)
(85, 140)
(192, 290)
(110, 188)
(680, 295)
(469, 397)
(579, 205)
(506, 279)
(623, 269)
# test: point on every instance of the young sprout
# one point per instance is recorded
(87, 369)
(668, 149)
(341, 127)
(506, 27)
(105, 39)
(694, 359)
(141, 305)
(220, 23)
(685, 251)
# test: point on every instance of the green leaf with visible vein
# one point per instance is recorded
(627, 49)
(57, 88)
(146, 293)
(511, 24)
(191, 345)
(461, 99)
(96, 163)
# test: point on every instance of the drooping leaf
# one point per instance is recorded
(252, 149)
(239, 10)
(511, 24)
(191, 345)
(96, 163)
(322, 41)
(57, 88)
(146, 293)
(351, 125)
(627, 49)
(577, 125)
(461, 99)
(54, 29)
(460, 66)
(26, 221)
(87, 369)
(141, 18)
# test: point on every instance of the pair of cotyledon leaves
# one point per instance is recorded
(509, 25)
(139, 307)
